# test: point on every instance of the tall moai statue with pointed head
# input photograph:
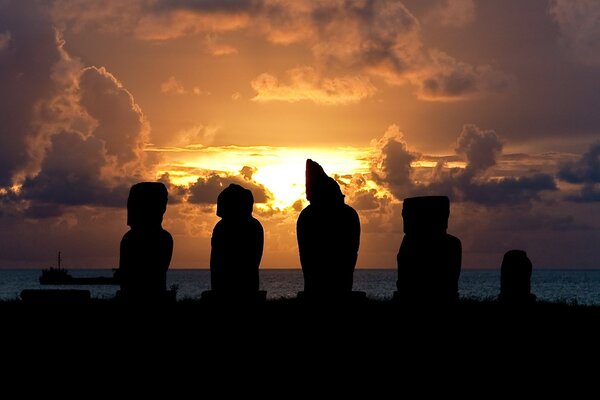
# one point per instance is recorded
(328, 232)
(429, 259)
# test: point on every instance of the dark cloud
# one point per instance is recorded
(359, 195)
(374, 34)
(589, 193)
(206, 5)
(247, 172)
(392, 166)
(26, 60)
(446, 78)
(177, 193)
(71, 174)
(121, 123)
(376, 37)
(578, 23)
(506, 190)
(480, 148)
(452, 13)
(43, 211)
(90, 151)
(206, 190)
(74, 135)
(585, 171)
(364, 200)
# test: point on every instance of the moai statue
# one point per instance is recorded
(429, 259)
(515, 278)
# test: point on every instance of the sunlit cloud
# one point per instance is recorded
(214, 47)
(279, 169)
(207, 188)
(80, 132)
(393, 167)
(175, 87)
(178, 23)
(94, 151)
(75, 136)
(306, 84)
(375, 38)
(109, 16)
(196, 135)
(172, 86)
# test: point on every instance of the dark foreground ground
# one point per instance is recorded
(291, 347)
(287, 320)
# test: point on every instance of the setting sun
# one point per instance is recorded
(393, 98)
(279, 169)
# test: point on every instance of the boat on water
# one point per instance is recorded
(60, 276)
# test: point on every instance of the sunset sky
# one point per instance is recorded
(493, 103)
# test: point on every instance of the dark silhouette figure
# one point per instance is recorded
(515, 278)
(236, 245)
(328, 232)
(147, 248)
(429, 259)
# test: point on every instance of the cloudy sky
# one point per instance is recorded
(493, 103)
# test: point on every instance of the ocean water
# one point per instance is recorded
(581, 286)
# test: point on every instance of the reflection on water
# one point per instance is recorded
(582, 286)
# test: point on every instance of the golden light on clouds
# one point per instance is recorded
(280, 169)
(306, 84)
(434, 163)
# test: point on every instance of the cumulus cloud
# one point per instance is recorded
(444, 78)
(173, 86)
(74, 135)
(206, 189)
(27, 36)
(586, 172)
(392, 167)
(71, 174)
(370, 34)
(361, 194)
(380, 38)
(364, 199)
(121, 123)
(94, 159)
(306, 84)
(578, 24)
(589, 193)
(480, 147)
